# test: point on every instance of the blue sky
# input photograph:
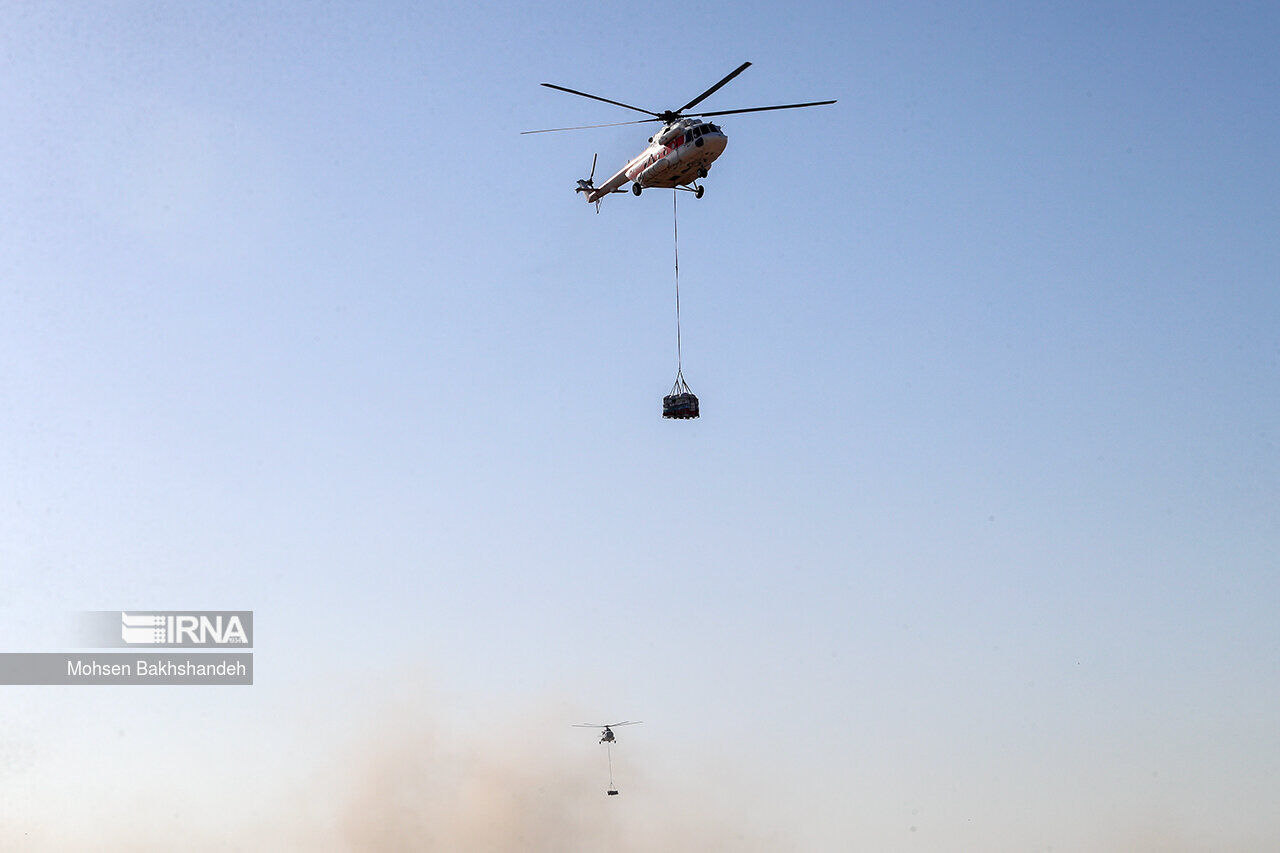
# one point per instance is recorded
(974, 546)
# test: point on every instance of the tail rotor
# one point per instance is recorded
(588, 186)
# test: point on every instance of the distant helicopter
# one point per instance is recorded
(677, 155)
(606, 736)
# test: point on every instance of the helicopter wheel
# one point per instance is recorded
(697, 192)
(635, 188)
(702, 173)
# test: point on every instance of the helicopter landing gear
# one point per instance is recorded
(697, 192)
(635, 188)
(702, 173)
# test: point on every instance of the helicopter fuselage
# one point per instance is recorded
(677, 155)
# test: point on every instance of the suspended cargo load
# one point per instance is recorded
(680, 404)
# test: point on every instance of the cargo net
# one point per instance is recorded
(680, 404)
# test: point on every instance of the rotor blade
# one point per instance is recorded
(734, 73)
(592, 176)
(762, 109)
(597, 98)
(627, 723)
(587, 126)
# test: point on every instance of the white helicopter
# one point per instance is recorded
(678, 154)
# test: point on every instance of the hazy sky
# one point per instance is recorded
(974, 547)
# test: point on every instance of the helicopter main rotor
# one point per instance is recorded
(669, 116)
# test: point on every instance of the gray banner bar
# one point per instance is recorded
(126, 668)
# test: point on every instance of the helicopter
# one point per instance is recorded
(606, 736)
(680, 153)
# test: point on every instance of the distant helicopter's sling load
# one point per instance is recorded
(680, 404)
(612, 791)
